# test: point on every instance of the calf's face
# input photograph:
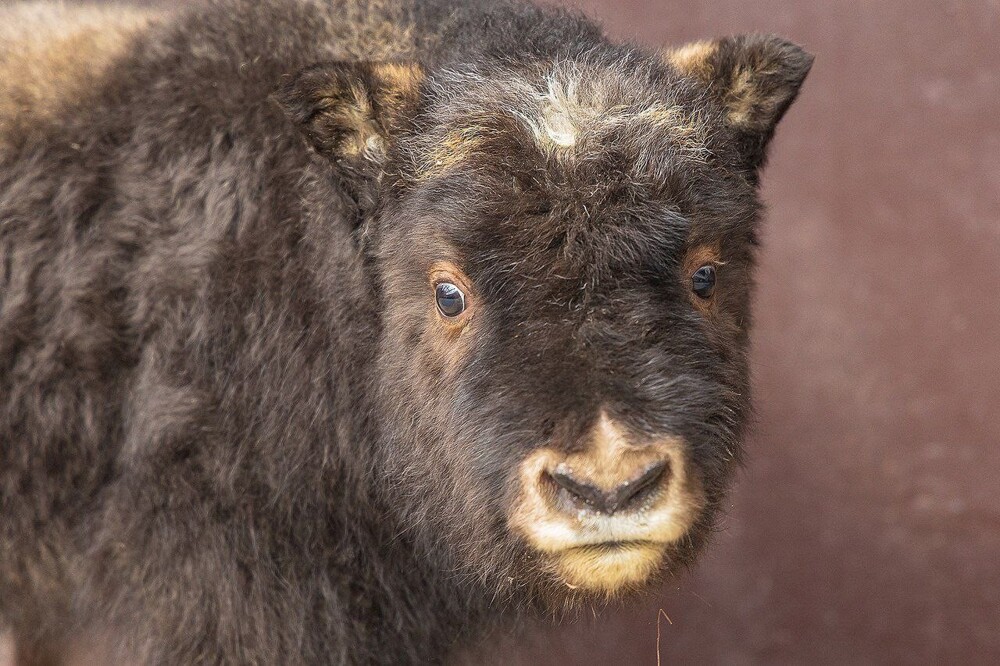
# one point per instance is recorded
(562, 252)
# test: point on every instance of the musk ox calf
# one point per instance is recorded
(338, 331)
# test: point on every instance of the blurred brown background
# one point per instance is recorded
(866, 527)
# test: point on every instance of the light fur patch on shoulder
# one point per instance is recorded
(51, 52)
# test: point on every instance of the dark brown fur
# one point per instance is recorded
(230, 428)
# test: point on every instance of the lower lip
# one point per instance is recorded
(613, 546)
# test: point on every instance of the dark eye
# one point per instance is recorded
(703, 281)
(450, 299)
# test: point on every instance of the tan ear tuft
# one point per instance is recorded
(400, 80)
(694, 59)
(757, 76)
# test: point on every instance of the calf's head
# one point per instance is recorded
(561, 249)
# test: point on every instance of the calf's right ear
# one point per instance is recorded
(351, 111)
(755, 77)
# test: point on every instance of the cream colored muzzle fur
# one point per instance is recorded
(599, 551)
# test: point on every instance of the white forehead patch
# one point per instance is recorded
(568, 108)
(561, 111)
(559, 116)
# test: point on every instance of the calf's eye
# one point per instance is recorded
(703, 282)
(450, 299)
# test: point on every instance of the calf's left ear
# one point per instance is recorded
(351, 111)
(756, 77)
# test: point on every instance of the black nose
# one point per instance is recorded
(617, 499)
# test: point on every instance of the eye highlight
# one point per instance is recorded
(703, 281)
(450, 299)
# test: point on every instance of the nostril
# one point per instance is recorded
(621, 497)
(630, 491)
(591, 495)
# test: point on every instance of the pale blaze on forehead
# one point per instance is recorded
(567, 111)
(570, 111)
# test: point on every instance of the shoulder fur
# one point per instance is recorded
(51, 52)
